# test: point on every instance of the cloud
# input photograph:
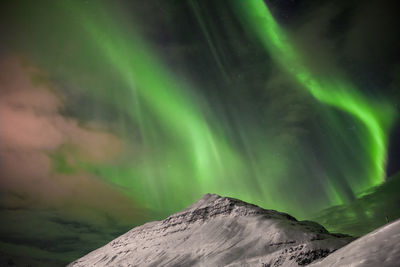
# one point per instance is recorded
(31, 128)
(50, 235)
(42, 209)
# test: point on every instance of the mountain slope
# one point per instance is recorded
(379, 248)
(219, 231)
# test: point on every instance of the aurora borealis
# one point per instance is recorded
(114, 113)
(337, 93)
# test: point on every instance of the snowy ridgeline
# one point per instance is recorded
(220, 231)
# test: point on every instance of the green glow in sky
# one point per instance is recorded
(182, 158)
(183, 152)
(180, 149)
(335, 92)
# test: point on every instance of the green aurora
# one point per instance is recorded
(187, 153)
(184, 149)
(336, 92)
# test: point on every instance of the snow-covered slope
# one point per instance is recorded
(219, 231)
(379, 248)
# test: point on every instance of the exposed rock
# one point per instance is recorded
(219, 231)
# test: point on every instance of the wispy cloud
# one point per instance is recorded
(63, 209)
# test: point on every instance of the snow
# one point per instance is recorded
(219, 231)
(378, 248)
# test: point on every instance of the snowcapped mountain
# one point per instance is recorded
(219, 231)
(378, 248)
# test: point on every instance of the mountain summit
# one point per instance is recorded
(219, 231)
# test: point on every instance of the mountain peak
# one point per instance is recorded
(213, 205)
(219, 231)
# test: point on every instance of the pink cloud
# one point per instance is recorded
(31, 128)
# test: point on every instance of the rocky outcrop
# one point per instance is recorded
(219, 231)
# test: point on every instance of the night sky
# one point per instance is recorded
(115, 113)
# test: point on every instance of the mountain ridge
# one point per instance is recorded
(219, 231)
